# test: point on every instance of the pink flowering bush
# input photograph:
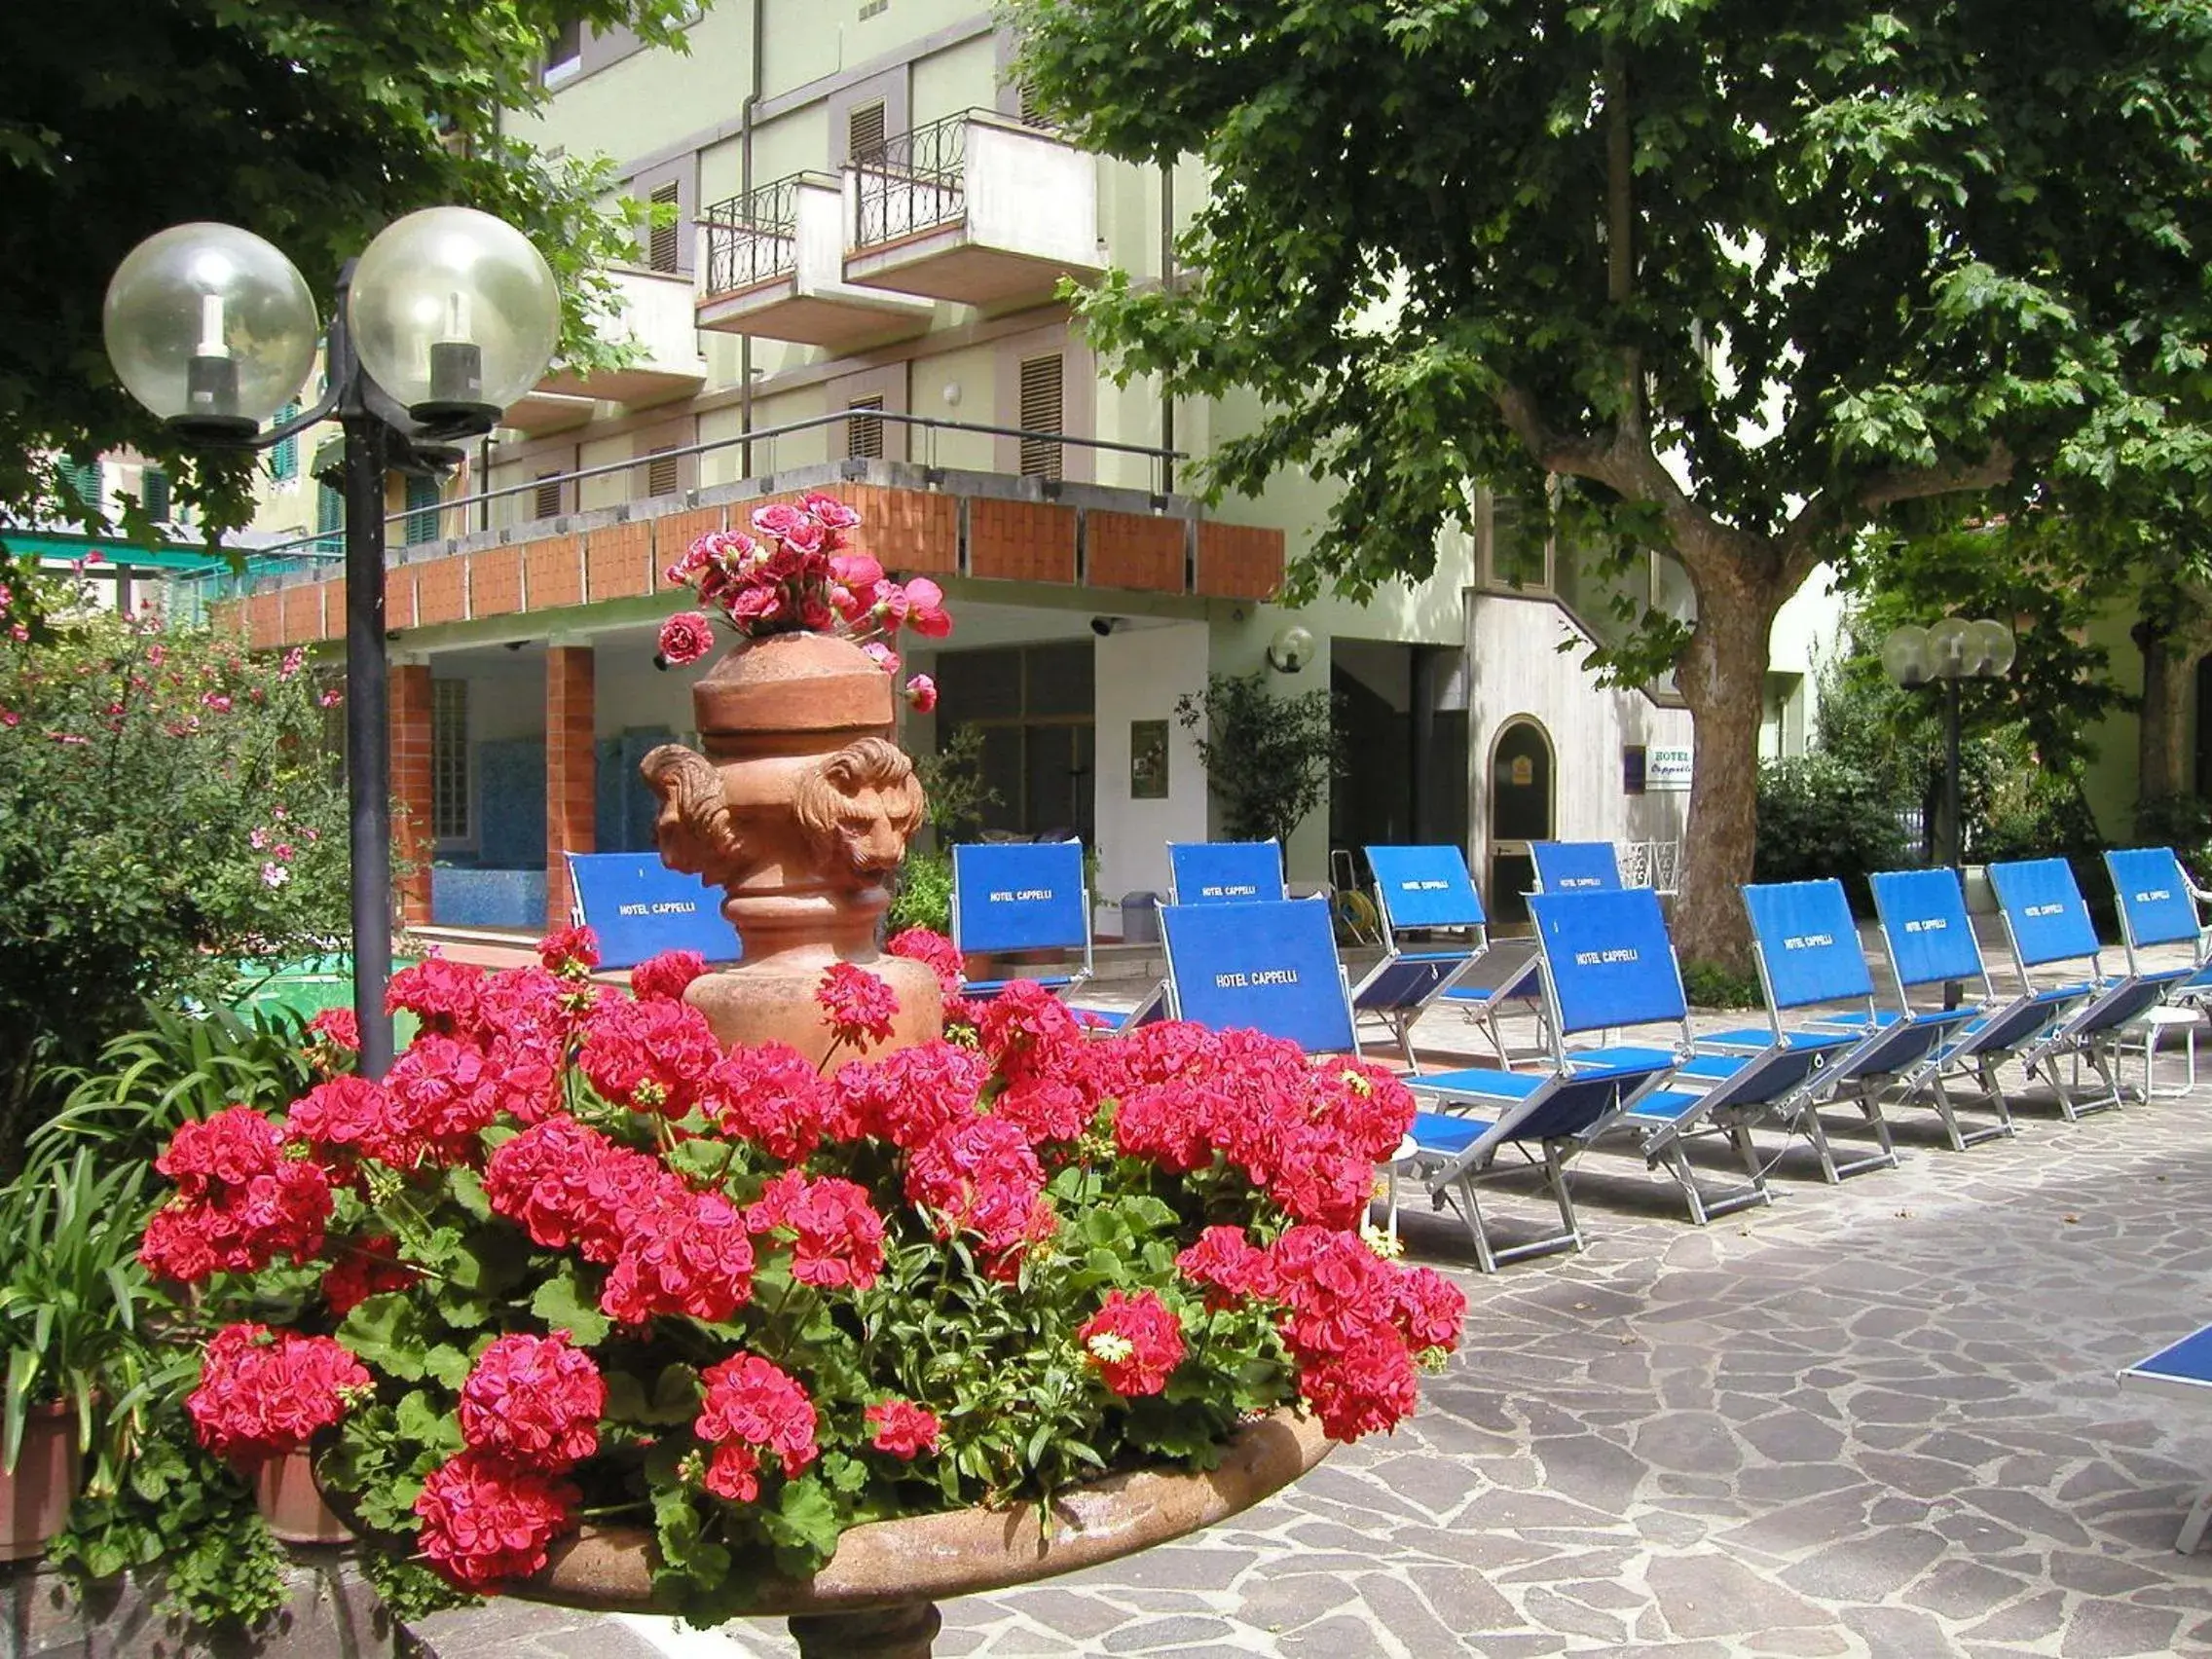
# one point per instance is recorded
(573, 1260)
(795, 571)
(169, 808)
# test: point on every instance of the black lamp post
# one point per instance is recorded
(1949, 651)
(446, 318)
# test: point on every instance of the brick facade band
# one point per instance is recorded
(412, 845)
(572, 770)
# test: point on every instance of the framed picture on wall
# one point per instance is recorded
(1148, 759)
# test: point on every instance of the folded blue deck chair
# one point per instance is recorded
(1576, 867)
(1819, 992)
(1013, 898)
(1930, 940)
(2182, 1371)
(2046, 922)
(1423, 891)
(639, 907)
(1224, 873)
(1604, 962)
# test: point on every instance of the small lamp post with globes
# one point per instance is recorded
(447, 316)
(1949, 651)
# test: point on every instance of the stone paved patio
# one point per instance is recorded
(1877, 1420)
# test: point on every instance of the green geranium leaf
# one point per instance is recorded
(385, 1332)
(562, 1303)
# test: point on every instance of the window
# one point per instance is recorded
(661, 474)
(449, 759)
(285, 458)
(548, 495)
(1635, 768)
(84, 483)
(863, 433)
(665, 240)
(154, 494)
(1033, 707)
(864, 131)
(1520, 555)
(1031, 115)
(1040, 413)
(564, 52)
(329, 519)
(421, 523)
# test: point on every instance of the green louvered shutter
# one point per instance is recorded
(285, 458)
(422, 510)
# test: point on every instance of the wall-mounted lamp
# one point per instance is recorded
(952, 394)
(1292, 647)
(1104, 625)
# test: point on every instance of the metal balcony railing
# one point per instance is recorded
(913, 182)
(752, 239)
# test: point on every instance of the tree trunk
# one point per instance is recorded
(1722, 676)
(2161, 767)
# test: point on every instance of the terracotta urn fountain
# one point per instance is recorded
(801, 811)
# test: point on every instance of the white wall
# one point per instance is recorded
(1142, 668)
(1516, 671)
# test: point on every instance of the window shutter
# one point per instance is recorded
(863, 433)
(285, 458)
(1031, 115)
(661, 476)
(422, 510)
(154, 494)
(864, 132)
(85, 483)
(548, 495)
(329, 518)
(1041, 412)
(665, 246)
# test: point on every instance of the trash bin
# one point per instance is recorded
(1140, 919)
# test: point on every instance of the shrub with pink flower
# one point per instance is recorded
(574, 1255)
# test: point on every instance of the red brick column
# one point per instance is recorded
(570, 770)
(411, 838)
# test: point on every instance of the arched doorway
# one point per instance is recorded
(1520, 812)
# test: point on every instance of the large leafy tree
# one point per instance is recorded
(312, 122)
(1754, 274)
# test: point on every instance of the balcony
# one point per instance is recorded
(976, 208)
(539, 411)
(652, 316)
(771, 265)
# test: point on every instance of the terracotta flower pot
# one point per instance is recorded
(35, 1500)
(285, 1493)
(800, 810)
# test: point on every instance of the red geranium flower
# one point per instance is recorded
(664, 978)
(568, 1185)
(978, 1175)
(340, 1028)
(903, 1428)
(936, 952)
(364, 1270)
(769, 1093)
(1229, 1264)
(906, 1096)
(487, 1520)
(534, 1399)
(687, 1257)
(836, 1238)
(570, 952)
(1135, 1342)
(241, 1200)
(754, 1406)
(441, 994)
(859, 1006)
(264, 1392)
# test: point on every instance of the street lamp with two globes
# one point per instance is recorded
(1948, 653)
(447, 316)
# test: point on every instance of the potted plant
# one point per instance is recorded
(71, 1298)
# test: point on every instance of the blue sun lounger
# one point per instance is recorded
(2157, 905)
(1260, 965)
(1930, 943)
(1424, 891)
(639, 907)
(2046, 922)
(1224, 873)
(1820, 993)
(1576, 867)
(1017, 897)
(1605, 962)
(2182, 1371)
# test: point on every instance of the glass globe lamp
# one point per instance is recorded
(1904, 656)
(1947, 649)
(210, 328)
(455, 314)
(1990, 649)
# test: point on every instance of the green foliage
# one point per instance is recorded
(1711, 984)
(953, 780)
(1270, 759)
(924, 898)
(313, 128)
(1820, 817)
(167, 810)
(184, 1512)
(2182, 821)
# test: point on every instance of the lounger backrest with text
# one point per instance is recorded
(1013, 898)
(1423, 891)
(2047, 925)
(2157, 905)
(639, 907)
(1268, 966)
(1224, 873)
(1575, 866)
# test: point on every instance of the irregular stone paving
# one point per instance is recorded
(1878, 1419)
